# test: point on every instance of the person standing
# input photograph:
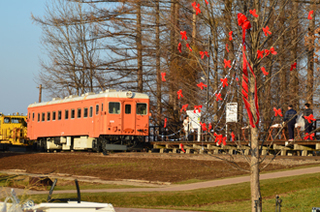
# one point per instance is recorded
(187, 126)
(307, 112)
(290, 117)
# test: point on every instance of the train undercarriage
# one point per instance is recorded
(104, 143)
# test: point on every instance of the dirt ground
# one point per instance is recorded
(141, 166)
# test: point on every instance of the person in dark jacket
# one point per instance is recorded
(307, 112)
(290, 117)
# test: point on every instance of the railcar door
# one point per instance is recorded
(96, 120)
(142, 118)
(128, 120)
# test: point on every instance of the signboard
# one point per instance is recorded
(232, 112)
(195, 121)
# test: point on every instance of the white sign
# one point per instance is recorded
(232, 112)
(195, 121)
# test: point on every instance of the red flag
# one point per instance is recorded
(309, 15)
(201, 85)
(183, 35)
(293, 66)
(197, 108)
(179, 47)
(184, 107)
(310, 118)
(224, 82)
(253, 12)
(163, 75)
(227, 63)
(218, 96)
(266, 31)
(277, 112)
(264, 71)
(179, 92)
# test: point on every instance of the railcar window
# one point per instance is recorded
(114, 107)
(97, 109)
(85, 112)
(91, 109)
(6, 120)
(32, 116)
(43, 116)
(66, 114)
(16, 120)
(72, 113)
(53, 115)
(48, 116)
(79, 113)
(128, 109)
(141, 108)
(38, 117)
(59, 115)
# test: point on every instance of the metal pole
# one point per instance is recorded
(40, 93)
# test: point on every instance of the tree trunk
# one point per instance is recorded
(310, 78)
(139, 48)
(159, 109)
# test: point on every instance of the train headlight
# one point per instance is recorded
(129, 94)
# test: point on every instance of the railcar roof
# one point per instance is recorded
(107, 93)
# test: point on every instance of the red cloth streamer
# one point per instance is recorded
(253, 12)
(293, 66)
(206, 1)
(218, 138)
(204, 126)
(201, 85)
(264, 71)
(309, 15)
(179, 92)
(165, 123)
(163, 75)
(210, 126)
(277, 112)
(266, 31)
(189, 47)
(267, 52)
(273, 51)
(218, 96)
(230, 35)
(182, 148)
(179, 47)
(227, 47)
(183, 35)
(224, 81)
(227, 63)
(245, 24)
(233, 136)
(309, 136)
(197, 108)
(184, 107)
(205, 53)
(196, 7)
(309, 118)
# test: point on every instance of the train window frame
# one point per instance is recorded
(79, 110)
(111, 108)
(29, 115)
(91, 111)
(85, 112)
(66, 114)
(43, 117)
(38, 117)
(48, 116)
(137, 108)
(72, 113)
(53, 115)
(59, 114)
(97, 109)
(101, 107)
(32, 116)
(6, 118)
(125, 109)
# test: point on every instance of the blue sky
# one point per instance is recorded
(19, 54)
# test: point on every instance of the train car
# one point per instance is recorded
(13, 130)
(110, 120)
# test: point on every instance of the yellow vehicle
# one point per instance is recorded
(13, 130)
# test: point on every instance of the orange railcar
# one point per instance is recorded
(110, 120)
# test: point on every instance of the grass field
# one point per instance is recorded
(299, 193)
